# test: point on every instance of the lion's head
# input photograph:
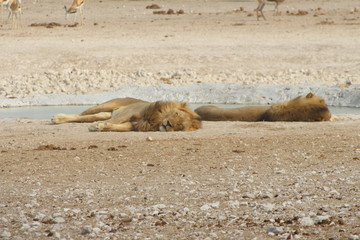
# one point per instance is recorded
(308, 108)
(168, 117)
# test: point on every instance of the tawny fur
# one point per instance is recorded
(309, 108)
(130, 114)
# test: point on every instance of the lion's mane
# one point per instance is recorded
(168, 116)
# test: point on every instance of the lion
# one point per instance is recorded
(131, 114)
(309, 108)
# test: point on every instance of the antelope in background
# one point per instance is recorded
(262, 4)
(76, 7)
(4, 4)
(15, 13)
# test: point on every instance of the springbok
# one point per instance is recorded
(262, 4)
(15, 13)
(4, 4)
(76, 7)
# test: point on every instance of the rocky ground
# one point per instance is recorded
(226, 181)
(123, 42)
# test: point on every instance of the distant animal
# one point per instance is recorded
(131, 114)
(75, 8)
(309, 108)
(4, 4)
(14, 7)
(262, 4)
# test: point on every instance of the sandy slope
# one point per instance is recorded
(229, 180)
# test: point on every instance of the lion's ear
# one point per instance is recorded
(183, 104)
(309, 95)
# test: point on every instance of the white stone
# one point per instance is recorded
(320, 219)
(85, 230)
(5, 234)
(307, 222)
(205, 207)
(233, 204)
(267, 207)
(215, 205)
(274, 230)
(354, 237)
(159, 206)
(59, 220)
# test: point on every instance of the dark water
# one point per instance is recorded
(46, 112)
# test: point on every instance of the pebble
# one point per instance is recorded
(234, 204)
(59, 220)
(274, 230)
(267, 207)
(86, 230)
(307, 222)
(322, 219)
(5, 234)
(205, 207)
(354, 237)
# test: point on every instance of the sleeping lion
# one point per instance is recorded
(130, 114)
(302, 109)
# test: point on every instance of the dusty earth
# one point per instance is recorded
(122, 42)
(229, 180)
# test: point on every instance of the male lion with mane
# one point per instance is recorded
(310, 108)
(130, 114)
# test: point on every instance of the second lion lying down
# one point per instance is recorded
(130, 114)
(309, 108)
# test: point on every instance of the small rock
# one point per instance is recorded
(307, 222)
(86, 230)
(322, 219)
(274, 230)
(159, 206)
(96, 230)
(215, 205)
(149, 139)
(233, 204)
(5, 234)
(59, 220)
(267, 207)
(354, 237)
(25, 227)
(205, 207)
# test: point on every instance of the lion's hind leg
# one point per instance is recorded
(111, 127)
(111, 105)
(72, 118)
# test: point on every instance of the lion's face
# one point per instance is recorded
(317, 109)
(308, 109)
(177, 120)
(169, 117)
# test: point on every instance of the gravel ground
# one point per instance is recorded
(226, 181)
(79, 82)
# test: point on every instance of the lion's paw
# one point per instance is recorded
(58, 118)
(98, 127)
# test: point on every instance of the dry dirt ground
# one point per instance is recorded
(229, 180)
